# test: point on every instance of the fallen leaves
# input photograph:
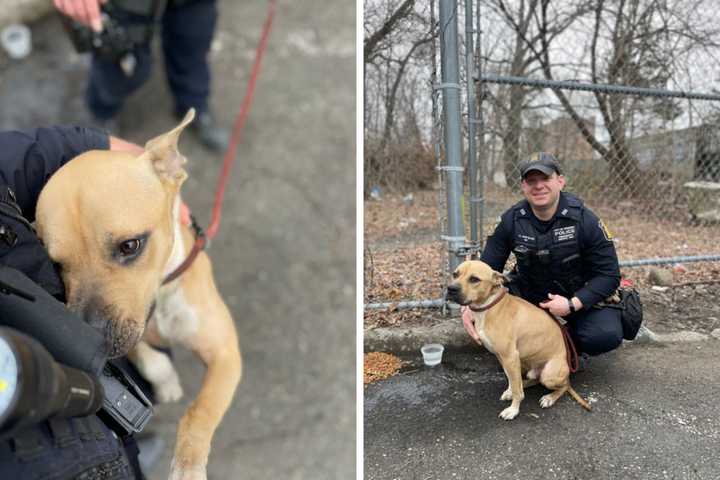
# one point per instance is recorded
(406, 260)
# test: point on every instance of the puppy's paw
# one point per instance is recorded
(509, 413)
(547, 400)
(196, 472)
(506, 395)
(168, 391)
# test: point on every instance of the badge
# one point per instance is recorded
(606, 233)
(563, 234)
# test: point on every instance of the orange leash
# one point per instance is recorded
(201, 238)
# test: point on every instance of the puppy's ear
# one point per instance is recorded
(498, 278)
(164, 155)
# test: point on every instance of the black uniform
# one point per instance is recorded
(56, 449)
(572, 255)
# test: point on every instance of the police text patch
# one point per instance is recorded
(564, 234)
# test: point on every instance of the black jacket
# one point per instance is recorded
(581, 255)
(27, 160)
(58, 448)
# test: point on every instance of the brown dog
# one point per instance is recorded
(112, 222)
(527, 342)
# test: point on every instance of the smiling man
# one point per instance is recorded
(565, 258)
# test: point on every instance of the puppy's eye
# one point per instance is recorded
(127, 251)
(474, 279)
(455, 274)
(130, 247)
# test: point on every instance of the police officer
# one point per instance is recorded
(187, 31)
(59, 448)
(565, 258)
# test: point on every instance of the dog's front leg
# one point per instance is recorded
(512, 368)
(198, 424)
(217, 346)
(156, 368)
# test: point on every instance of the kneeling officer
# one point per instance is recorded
(566, 260)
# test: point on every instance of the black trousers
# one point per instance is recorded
(594, 330)
(187, 33)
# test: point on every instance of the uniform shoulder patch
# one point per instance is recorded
(606, 233)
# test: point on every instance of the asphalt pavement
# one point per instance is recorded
(284, 258)
(654, 417)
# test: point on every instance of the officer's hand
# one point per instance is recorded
(469, 324)
(86, 12)
(557, 305)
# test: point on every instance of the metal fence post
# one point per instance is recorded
(482, 153)
(450, 87)
(472, 153)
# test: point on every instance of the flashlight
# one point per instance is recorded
(34, 387)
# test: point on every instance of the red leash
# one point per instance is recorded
(202, 238)
(572, 356)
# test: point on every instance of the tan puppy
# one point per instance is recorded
(112, 223)
(524, 338)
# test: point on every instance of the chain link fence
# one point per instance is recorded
(652, 168)
(635, 139)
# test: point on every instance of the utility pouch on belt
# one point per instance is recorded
(632, 313)
(125, 404)
(627, 300)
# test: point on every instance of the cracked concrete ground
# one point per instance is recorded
(653, 418)
(285, 255)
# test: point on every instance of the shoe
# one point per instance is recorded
(583, 362)
(151, 448)
(209, 133)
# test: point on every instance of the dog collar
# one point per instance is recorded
(491, 304)
(187, 219)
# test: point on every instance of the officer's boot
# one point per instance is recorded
(209, 133)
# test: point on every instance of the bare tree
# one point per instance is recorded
(528, 45)
(641, 38)
(372, 42)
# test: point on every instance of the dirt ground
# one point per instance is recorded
(405, 260)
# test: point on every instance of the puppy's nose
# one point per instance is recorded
(453, 288)
(93, 316)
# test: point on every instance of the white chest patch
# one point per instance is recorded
(480, 329)
(175, 318)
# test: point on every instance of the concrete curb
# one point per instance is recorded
(449, 333)
(452, 335)
(24, 11)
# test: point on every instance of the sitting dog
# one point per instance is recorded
(526, 340)
(112, 223)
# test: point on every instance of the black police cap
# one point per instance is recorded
(542, 162)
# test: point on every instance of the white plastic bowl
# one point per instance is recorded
(432, 354)
(17, 40)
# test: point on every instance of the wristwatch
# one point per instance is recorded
(571, 306)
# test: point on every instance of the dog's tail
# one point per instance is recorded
(579, 399)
